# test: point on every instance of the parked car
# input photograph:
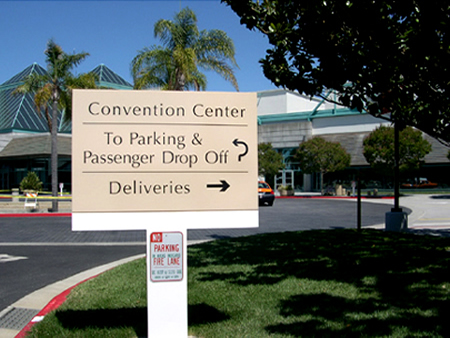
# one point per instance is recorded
(422, 183)
(265, 193)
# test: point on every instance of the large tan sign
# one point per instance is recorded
(157, 151)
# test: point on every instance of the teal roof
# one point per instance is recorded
(107, 78)
(18, 111)
(307, 115)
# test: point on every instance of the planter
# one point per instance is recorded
(283, 192)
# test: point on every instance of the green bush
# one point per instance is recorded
(31, 182)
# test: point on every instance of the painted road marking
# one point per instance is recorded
(7, 258)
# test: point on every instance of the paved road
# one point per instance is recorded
(38, 251)
(40, 265)
(47, 250)
(304, 214)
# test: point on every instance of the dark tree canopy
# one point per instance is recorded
(379, 149)
(318, 155)
(269, 160)
(390, 58)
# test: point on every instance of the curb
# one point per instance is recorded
(57, 298)
(336, 197)
(55, 303)
(43, 214)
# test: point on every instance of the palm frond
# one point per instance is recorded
(198, 81)
(163, 30)
(152, 68)
(215, 43)
(82, 81)
(186, 31)
(175, 65)
(31, 84)
(221, 68)
(42, 97)
(59, 64)
(65, 105)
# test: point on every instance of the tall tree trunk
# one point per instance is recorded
(54, 155)
(181, 81)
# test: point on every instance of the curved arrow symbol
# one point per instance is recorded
(223, 185)
(236, 142)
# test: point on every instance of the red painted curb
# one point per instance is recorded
(61, 214)
(336, 197)
(55, 303)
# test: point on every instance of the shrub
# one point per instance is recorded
(31, 182)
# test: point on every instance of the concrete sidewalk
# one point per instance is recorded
(7, 206)
(430, 213)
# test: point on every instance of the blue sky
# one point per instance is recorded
(112, 32)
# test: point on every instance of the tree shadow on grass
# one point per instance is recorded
(331, 316)
(199, 314)
(406, 276)
(338, 255)
(135, 318)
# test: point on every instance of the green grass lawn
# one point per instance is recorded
(329, 283)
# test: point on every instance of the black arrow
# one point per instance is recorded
(236, 142)
(223, 185)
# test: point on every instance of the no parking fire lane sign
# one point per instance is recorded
(166, 256)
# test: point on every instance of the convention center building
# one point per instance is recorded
(285, 119)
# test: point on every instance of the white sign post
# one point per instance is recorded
(167, 284)
(164, 162)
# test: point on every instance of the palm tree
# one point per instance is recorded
(53, 90)
(175, 65)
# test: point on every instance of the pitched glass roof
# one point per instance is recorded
(109, 79)
(18, 111)
(18, 78)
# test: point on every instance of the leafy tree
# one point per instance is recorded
(318, 155)
(390, 58)
(269, 160)
(53, 91)
(379, 149)
(175, 65)
(31, 182)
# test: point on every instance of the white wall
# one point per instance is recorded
(282, 102)
(345, 124)
(271, 102)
